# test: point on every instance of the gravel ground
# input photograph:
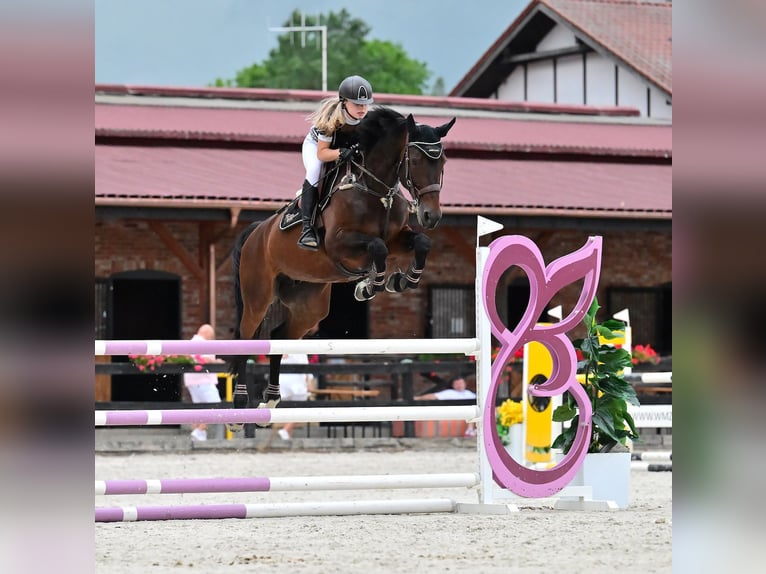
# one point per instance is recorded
(537, 539)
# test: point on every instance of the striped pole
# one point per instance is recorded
(286, 484)
(294, 415)
(331, 508)
(650, 378)
(281, 347)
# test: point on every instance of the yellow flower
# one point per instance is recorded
(510, 413)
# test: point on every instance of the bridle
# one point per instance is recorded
(432, 151)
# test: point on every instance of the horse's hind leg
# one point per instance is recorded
(256, 298)
(305, 304)
(420, 244)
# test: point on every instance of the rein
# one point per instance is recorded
(351, 182)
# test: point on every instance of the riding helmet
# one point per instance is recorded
(355, 89)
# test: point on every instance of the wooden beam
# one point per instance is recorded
(516, 59)
(211, 307)
(176, 249)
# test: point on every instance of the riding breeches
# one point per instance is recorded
(311, 162)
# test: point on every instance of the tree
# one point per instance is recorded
(438, 88)
(290, 66)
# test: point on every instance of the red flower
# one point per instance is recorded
(644, 354)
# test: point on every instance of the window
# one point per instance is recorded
(100, 320)
(452, 311)
(650, 314)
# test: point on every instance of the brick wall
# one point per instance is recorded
(629, 260)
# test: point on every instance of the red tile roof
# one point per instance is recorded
(208, 153)
(511, 133)
(638, 33)
(260, 179)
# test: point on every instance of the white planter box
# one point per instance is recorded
(516, 448)
(608, 474)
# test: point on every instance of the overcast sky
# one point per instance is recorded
(191, 42)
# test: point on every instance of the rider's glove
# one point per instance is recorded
(347, 153)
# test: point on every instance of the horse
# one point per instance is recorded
(362, 222)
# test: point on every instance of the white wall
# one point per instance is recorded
(569, 71)
(512, 89)
(632, 90)
(540, 82)
(659, 107)
(558, 37)
(599, 80)
(599, 73)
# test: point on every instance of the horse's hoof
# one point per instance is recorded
(361, 294)
(235, 428)
(269, 404)
(393, 282)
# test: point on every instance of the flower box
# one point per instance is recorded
(608, 475)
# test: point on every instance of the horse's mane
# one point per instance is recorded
(377, 124)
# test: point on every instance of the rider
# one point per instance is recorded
(331, 138)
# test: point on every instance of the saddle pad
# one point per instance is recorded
(292, 213)
(291, 217)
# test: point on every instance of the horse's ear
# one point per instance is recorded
(443, 129)
(411, 126)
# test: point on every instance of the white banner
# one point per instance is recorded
(652, 416)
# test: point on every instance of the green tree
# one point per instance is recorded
(438, 88)
(293, 66)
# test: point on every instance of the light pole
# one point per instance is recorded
(303, 28)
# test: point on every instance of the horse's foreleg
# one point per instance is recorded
(398, 282)
(376, 281)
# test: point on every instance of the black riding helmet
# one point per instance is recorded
(355, 89)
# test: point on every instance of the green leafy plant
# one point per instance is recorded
(601, 371)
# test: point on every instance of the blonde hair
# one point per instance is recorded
(328, 117)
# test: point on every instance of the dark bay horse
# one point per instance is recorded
(365, 222)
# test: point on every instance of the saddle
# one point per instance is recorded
(291, 213)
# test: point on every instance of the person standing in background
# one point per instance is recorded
(457, 391)
(203, 387)
(294, 386)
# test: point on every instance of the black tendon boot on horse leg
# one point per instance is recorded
(241, 399)
(272, 397)
(308, 239)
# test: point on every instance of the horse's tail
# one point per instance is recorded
(236, 255)
(237, 361)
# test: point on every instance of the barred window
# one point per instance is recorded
(452, 311)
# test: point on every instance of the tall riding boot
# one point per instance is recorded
(309, 196)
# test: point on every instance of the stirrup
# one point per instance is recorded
(309, 239)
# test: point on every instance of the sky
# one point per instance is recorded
(192, 42)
